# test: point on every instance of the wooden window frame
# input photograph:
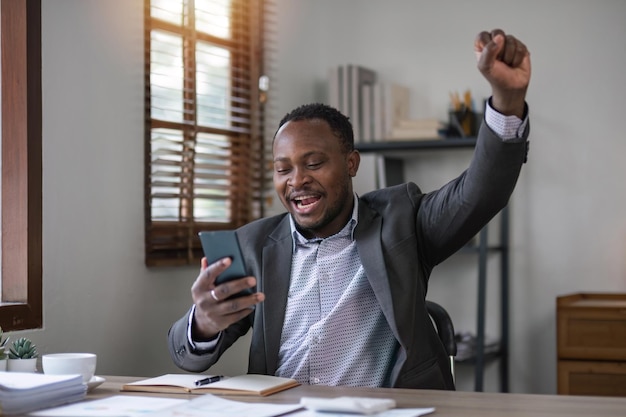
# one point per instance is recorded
(176, 243)
(21, 305)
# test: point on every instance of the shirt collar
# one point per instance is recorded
(347, 229)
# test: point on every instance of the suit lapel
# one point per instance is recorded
(368, 237)
(276, 272)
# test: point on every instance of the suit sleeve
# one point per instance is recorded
(182, 352)
(451, 216)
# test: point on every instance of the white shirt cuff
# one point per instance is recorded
(507, 127)
(200, 346)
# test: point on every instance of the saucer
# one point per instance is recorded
(94, 382)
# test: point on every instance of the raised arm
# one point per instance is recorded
(505, 62)
(453, 214)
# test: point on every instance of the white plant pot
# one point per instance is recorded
(22, 365)
(3, 365)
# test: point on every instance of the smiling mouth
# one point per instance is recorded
(305, 201)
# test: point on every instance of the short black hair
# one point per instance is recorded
(339, 123)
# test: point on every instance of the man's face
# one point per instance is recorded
(313, 176)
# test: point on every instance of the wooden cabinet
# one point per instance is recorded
(591, 344)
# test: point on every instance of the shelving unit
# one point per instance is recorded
(482, 249)
(404, 145)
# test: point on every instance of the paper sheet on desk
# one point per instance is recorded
(395, 412)
(116, 406)
(204, 406)
(209, 405)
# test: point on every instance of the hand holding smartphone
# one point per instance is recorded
(222, 244)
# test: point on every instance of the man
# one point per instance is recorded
(341, 279)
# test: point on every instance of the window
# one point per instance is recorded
(20, 27)
(204, 122)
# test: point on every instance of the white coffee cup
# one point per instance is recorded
(70, 363)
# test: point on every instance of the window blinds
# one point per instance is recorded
(204, 147)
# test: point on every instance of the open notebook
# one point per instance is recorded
(249, 384)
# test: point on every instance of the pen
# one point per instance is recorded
(208, 380)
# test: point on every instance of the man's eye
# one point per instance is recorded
(314, 165)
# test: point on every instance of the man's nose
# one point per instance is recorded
(298, 178)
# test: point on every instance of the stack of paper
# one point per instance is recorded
(21, 393)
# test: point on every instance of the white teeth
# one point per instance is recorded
(300, 201)
(303, 197)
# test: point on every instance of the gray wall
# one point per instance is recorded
(568, 231)
(568, 222)
(98, 294)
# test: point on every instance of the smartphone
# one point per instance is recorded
(221, 244)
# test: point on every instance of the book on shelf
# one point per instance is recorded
(398, 134)
(360, 76)
(425, 123)
(377, 110)
(390, 105)
(396, 105)
(249, 384)
(24, 392)
(349, 89)
(340, 89)
(367, 113)
(345, 88)
(416, 129)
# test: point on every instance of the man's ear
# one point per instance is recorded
(354, 159)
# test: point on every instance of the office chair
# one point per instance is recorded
(445, 328)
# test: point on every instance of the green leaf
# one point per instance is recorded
(22, 348)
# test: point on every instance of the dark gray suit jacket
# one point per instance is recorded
(401, 235)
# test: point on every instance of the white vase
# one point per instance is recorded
(22, 365)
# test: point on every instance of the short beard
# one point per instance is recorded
(331, 214)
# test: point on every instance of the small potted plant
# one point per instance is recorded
(3, 353)
(22, 356)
